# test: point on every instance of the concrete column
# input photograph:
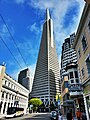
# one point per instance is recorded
(13, 100)
(3, 103)
(86, 108)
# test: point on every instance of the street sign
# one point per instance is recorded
(58, 102)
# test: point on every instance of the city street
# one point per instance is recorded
(35, 116)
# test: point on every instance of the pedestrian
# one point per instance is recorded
(69, 115)
(78, 114)
(60, 116)
(84, 116)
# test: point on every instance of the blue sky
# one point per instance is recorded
(25, 19)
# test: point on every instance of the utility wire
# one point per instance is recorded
(13, 39)
(10, 52)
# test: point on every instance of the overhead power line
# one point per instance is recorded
(13, 39)
(10, 52)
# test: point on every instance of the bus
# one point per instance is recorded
(14, 112)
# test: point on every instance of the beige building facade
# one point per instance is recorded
(82, 47)
(12, 94)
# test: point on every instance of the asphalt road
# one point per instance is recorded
(35, 116)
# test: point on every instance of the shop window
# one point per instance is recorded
(76, 74)
(71, 75)
(84, 43)
(88, 64)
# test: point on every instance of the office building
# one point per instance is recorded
(82, 47)
(12, 94)
(25, 79)
(46, 82)
(68, 54)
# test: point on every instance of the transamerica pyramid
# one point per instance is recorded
(46, 82)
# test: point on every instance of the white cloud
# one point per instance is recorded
(32, 69)
(4, 32)
(33, 28)
(59, 10)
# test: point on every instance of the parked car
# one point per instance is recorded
(54, 115)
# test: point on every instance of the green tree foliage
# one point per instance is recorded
(36, 102)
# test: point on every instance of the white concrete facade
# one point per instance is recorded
(12, 93)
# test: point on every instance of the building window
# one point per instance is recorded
(79, 53)
(72, 81)
(12, 86)
(71, 75)
(5, 82)
(66, 84)
(6, 95)
(9, 84)
(76, 74)
(89, 25)
(77, 80)
(84, 43)
(2, 94)
(82, 71)
(10, 96)
(88, 64)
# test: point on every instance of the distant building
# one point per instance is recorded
(25, 79)
(82, 47)
(11, 93)
(68, 54)
(47, 76)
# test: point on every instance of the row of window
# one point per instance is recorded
(84, 42)
(7, 94)
(10, 85)
(12, 97)
(72, 74)
(87, 66)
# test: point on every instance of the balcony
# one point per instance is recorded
(75, 90)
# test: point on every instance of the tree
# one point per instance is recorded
(36, 102)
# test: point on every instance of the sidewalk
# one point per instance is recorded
(2, 117)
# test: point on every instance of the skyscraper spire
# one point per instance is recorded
(47, 14)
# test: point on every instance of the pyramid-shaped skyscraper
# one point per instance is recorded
(46, 82)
